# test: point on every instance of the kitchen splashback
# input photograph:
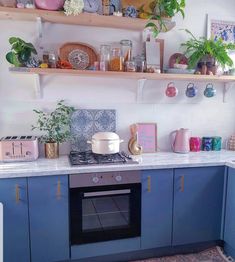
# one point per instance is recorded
(87, 122)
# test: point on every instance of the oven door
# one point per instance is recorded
(104, 213)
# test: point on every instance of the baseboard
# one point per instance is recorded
(149, 253)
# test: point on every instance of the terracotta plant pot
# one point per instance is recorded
(51, 150)
(52, 5)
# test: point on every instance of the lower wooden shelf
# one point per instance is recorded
(227, 80)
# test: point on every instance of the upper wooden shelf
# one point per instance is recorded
(86, 19)
(125, 75)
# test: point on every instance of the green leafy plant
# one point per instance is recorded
(162, 9)
(56, 124)
(20, 51)
(197, 49)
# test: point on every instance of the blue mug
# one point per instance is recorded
(210, 91)
(191, 90)
(207, 143)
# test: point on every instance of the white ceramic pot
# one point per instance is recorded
(105, 143)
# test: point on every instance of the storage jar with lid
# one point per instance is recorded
(116, 60)
(104, 57)
(126, 47)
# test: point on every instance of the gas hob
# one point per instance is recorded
(89, 158)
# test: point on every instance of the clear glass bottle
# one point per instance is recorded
(116, 60)
(104, 57)
(126, 47)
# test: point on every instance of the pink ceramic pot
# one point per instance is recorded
(49, 4)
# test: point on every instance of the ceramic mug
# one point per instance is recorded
(216, 143)
(191, 90)
(171, 90)
(207, 143)
(195, 144)
(210, 91)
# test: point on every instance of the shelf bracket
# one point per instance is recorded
(140, 88)
(37, 84)
(227, 86)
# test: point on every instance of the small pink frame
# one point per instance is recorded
(147, 136)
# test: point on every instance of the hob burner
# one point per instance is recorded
(89, 158)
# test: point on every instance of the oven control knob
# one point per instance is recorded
(95, 179)
(118, 178)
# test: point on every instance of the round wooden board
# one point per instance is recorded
(69, 48)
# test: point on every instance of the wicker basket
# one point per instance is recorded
(73, 52)
(8, 3)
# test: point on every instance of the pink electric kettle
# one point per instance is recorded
(180, 140)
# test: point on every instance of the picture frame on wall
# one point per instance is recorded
(218, 28)
(222, 28)
(146, 136)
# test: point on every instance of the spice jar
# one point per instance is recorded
(52, 60)
(104, 57)
(126, 47)
(140, 63)
(116, 60)
(130, 66)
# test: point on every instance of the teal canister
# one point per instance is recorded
(216, 143)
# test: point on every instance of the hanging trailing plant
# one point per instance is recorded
(161, 11)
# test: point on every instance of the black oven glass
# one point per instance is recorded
(104, 213)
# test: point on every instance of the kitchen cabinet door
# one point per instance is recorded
(14, 197)
(48, 214)
(157, 201)
(198, 202)
(229, 229)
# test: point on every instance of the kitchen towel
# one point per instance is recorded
(86, 122)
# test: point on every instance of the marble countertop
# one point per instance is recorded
(159, 160)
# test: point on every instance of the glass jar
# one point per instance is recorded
(130, 66)
(116, 60)
(140, 63)
(52, 60)
(126, 47)
(104, 57)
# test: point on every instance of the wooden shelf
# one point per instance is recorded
(86, 19)
(125, 75)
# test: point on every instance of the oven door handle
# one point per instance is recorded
(107, 193)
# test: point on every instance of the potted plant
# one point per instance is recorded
(56, 126)
(208, 53)
(163, 10)
(20, 52)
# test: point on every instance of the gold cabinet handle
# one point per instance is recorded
(149, 184)
(17, 192)
(182, 184)
(58, 193)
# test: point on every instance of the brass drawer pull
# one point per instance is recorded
(149, 184)
(58, 193)
(182, 184)
(17, 192)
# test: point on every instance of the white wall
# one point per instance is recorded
(202, 115)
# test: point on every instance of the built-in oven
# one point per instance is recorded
(104, 206)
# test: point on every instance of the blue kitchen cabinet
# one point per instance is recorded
(198, 203)
(229, 229)
(157, 204)
(13, 196)
(49, 220)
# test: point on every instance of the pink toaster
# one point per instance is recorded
(18, 148)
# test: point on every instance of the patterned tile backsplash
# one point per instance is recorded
(87, 122)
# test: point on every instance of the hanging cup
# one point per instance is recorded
(191, 90)
(171, 90)
(210, 91)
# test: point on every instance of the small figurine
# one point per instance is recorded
(130, 11)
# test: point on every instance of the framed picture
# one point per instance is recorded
(221, 29)
(146, 136)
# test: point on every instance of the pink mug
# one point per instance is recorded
(171, 90)
(195, 144)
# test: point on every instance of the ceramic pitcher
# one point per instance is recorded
(180, 140)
